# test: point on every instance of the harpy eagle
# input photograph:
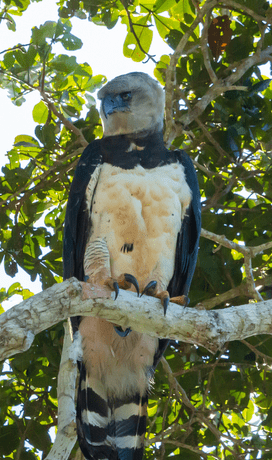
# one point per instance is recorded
(132, 220)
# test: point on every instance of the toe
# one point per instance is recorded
(165, 299)
(121, 332)
(132, 280)
(126, 280)
(182, 300)
(112, 283)
(150, 288)
(165, 302)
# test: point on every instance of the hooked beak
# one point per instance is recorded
(112, 103)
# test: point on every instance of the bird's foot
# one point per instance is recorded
(124, 281)
(151, 290)
(120, 331)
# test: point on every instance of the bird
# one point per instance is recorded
(133, 221)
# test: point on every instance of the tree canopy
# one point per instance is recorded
(219, 109)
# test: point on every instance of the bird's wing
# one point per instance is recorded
(187, 243)
(77, 219)
(188, 237)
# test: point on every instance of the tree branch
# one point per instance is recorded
(66, 435)
(210, 329)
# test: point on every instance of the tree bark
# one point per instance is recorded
(209, 329)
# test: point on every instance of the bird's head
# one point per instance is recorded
(131, 103)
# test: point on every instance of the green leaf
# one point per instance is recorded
(165, 25)
(163, 5)
(13, 289)
(71, 42)
(11, 25)
(260, 86)
(10, 435)
(9, 59)
(248, 412)
(38, 437)
(39, 35)
(40, 112)
(25, 140)
(137, 51)
(63, 63)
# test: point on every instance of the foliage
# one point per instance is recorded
(218, 107)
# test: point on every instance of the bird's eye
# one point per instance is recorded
(126, 96)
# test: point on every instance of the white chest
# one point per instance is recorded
(139, 213)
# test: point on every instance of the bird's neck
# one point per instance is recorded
(141, 140)
(130, 150)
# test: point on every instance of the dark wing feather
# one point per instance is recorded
(187, 244)
(77, 225)
(188, 237)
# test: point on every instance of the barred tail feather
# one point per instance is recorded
(93, 419)
(130, 427)
(109, 429)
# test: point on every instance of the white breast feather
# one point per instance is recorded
(144, 208)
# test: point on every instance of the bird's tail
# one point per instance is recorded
(109, 428)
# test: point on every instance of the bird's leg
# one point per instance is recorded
(97, 266)
(151, 289)
(124, 281)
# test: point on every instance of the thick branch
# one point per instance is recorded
(210, 329)
(66, 434)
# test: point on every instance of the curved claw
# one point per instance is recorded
(116, 289)
(165, 304)
(131, 279)
(120, 331)
(150, 288)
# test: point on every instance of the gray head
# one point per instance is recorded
(131, 103)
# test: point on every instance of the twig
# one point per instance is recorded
(8, 203)
(14, 48)
(244, 9)
(201, 453)
(178, 388)
(226, 85)
(257, 352)
(64, 120)
(248, 253)
(205, 49)
(221, 239)
(170, 76)
(196, 414)
(216, 144)
(254, 293)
